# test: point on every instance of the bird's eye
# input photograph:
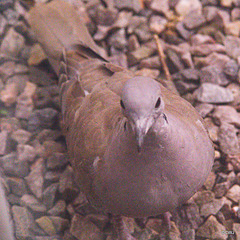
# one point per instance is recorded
(122, 105)
(158, 103)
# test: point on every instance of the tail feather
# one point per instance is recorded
(58, 26)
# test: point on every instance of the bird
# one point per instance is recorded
(137, 149)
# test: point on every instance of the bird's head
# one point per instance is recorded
(142, 104)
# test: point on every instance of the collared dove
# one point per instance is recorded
(137, 149)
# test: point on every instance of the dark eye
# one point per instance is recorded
(158, 103)
(122, 105)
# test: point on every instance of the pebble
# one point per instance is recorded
(157, 24)
(59, 209)
(46, 225)
(160, 6)
(211, 208)
(6, 143)
(12, 44)
(234, 193)
(32, 203)
(17, 186)
(212, 229)
(231, 69)
(228, 139)
(183, 7)
(212, 93)
(49, 195)
(21, 136)
(193, 19)
(56, 160)
(82, 228)
(226, 114)
(204, 109)
(13, 167)
(26, 153)
(35, 178)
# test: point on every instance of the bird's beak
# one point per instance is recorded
(141, 127)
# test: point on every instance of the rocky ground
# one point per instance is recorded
(202, 46)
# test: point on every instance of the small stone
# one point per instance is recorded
(6, 143)
(46, 225)
(13, 167)
(235, 14)
(17, 186)
(99, 220)
(151, 62)
(210, 181)
(185, 87)
(11, 15)
(220, 189)
(183, 32)
(119, 59)
(157, 24)
(44, 118)
(49, 195)
(24, 222)
(56, 161)
(105, 16)
(59, 223)
(212, 93)
(175, 60)
(200, 39)
(233, 28)
(26, 153)
(9, 94)
(204, 109)
(82, 228)
(3, 24)
(66, 184)
(52, 176)
(232, 45)
(146, 72)
(212, 59)
(212, 229)
(123, 19)
(234, 159)
(118, 39)
(59, 209)
(236, 230)
(203, 197)
(226, 3)
(21, 136)
(228, 139)
(231, 69)
(206, 49)
(35, 178)
(51, 147)
(5, 4)
(193, 20)
(134, 4)
(31, 202)
(234, 193)
(25, 102)
(235, 89)
(183, 7)
(226, 114)
(12, 44)
(160, 6)
(136, 56)
(211, 208)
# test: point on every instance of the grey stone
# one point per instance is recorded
(13, 167)
(46, 225)
(6, 143)
(232, 45)
(220, 189)
(160, 6)
(44, 118)
(211, 208)
(193, 20)
(26, 153)
(60, 224)
(17, 186)
(118, 39)
(82, 228)
(31, 202)
(183, 7)
(157, 24)
(183, 32)
(12, 44)
(35, 179)
(24, 223)
(231, 69)
(21, 136)
(49, 195)
(228, 139)
(212, 93)
(212, 74)
(212, 229)
(234, 193)
(227, 114)
(135, 4)
(67, 187)
(204, 109)
(56, 160)
(59, 209)
(206, 49)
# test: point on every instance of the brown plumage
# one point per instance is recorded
(104, 139)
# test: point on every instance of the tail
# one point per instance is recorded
(6, 228)
(57, 27)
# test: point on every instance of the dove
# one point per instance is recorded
(137, 149)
